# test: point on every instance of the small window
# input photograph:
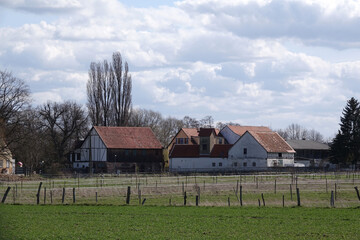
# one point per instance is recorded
(235, 164)
(181, 141)
(126, 152)
(78, 157)
(134, 152)
(245, 164)
(144, 152)
(220, 164)
(245, 151)
(77, 165)
(213, 164)
(220, 141)
(186, 140)
(204, 147)
(254, 164)
(280, 155)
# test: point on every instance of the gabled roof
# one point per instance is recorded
(128, 137)
(307, 144)
(272, 142)
(240, 130)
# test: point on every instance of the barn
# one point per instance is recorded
(119, 149)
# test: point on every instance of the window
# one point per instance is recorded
(220, 164)
(220, 141)
(213, 164)
(126, 152)
(78, 156)
(186, 140)
(204, 147)
(245, 151)
(73, 157)
(77, 165)
(134, 152)
(235, 164)
(254, 164)
(245, 164)
(144, 152)
(280, 155)
(181, 141)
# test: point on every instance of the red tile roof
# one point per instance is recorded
(128, 137)
(220, 150)
(192, 151)
(183, 151)
(272, 142)
(240, 130)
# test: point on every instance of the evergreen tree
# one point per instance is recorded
(345, 148)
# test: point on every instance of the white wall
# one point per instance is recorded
(99, 151)
(229, 135)
(254, 149)
(198, 164)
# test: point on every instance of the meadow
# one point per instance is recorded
(275, 190)
(169, 222)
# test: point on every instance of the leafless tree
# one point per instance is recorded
(297, 132)
(14, 98)
(63, 123)
(190, 122)
(109, 92)
(207, 122)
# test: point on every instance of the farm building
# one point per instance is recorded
(7, 163)
(119, 149)
(310, 153)
(243, 148)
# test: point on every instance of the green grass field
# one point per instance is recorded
(165, 222)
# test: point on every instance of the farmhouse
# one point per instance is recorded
(242, 148)
(119, 149)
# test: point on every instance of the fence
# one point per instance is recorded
(337, 189)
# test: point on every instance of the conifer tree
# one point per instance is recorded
(345, 148)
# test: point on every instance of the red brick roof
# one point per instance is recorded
(272, 142)
(240, 130)
(128, 137)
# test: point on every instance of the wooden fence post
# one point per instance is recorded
(298, 197)
(96, 197)
(197, 200)
(275, 186)
(283, 200)
(63, 196)
(241, 202)
(262, 196)
(332, 202)
(45, 195)
(184, 198)
(291, 192)
(74, 200)
(5, 195)
(38, 194)
(128, 195)
(143, 202)
(51, 198)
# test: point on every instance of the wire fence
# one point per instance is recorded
(337, 189)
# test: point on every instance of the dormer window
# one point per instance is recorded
(245, 151)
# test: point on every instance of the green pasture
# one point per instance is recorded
(169, 222)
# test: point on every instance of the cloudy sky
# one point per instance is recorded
(261, 62)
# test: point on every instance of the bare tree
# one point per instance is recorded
(14, 98)
(190, 122)
(109, 92)
(297, 132)
(63, 123)
(207, 122)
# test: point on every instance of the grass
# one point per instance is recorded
(164, 222)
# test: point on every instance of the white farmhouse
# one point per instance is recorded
(245, 148)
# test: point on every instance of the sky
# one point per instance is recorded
(261, 62)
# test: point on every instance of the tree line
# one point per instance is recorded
(41, 136)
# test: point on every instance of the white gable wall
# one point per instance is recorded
(229, 135)
(256, 156)
(99, 150)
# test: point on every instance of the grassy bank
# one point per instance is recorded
(160, 222)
